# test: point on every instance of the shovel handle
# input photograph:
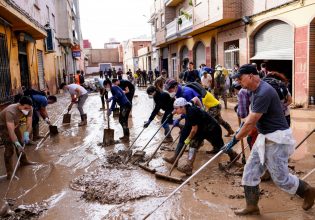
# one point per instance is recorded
(305, 139)
(242, 144)
(135, 139)
(107, 114)
(156, 132)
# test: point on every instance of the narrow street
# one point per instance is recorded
(76, 151)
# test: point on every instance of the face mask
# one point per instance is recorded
(172, 94)
(151, 96)
(108, 89)
(25, 112)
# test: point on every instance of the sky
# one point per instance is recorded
(119, 19)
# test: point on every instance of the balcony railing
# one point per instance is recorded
(185, 22)
(172, 28)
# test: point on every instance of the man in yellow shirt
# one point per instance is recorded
(213, 107)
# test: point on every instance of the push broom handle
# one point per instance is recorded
(135, 139)
(156, 150)
(177, 159)
(305, 139)
(184, 183)
(156, 132)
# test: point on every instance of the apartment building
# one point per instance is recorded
(32, 38)
(280, 33)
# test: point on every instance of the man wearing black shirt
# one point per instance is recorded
(202, 126)
(127, 87)
(191, 75)
(165, 102)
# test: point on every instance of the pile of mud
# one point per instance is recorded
(114, 186)
(27, 212)
(122, 160)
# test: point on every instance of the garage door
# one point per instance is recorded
(274, 41)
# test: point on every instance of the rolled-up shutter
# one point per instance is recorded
(165, 53)
(200, 54)
(274, 41)
(41, 78)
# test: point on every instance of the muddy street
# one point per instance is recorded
(77, 178)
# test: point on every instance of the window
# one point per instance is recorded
(162, 20)
(231, 54)
(5, 78)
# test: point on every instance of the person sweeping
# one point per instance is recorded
(273, 146)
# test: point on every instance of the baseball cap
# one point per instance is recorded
(170, 83)
(218, 67)
(180, 102)
(246, 69)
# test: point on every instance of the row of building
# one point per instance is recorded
(40, 45)
(280, 33)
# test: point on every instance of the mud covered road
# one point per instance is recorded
(78, 179)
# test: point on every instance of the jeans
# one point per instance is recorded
(81, 102)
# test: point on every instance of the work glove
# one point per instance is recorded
(26, 137)
(109, 112)
(226, 148)
(146, 124)
(187, 141)
(19, 147)
(110, 99)
(47, 121)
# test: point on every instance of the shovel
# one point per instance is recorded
(242, 144)
(146, 165)
(108, 138)
(53, 130)
(169, 176)
(6, 208)
(66, 118)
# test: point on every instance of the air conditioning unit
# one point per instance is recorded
(50, 41)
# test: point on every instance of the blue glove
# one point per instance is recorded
(109, 112)
(226, 148)
(110, 99)
(26, 137)
(176, 122)
(146, 124)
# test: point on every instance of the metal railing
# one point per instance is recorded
(186, 22)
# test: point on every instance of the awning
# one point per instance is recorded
(281, 54)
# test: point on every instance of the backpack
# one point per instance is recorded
(198, 88)
(278, 85)
(220, 80)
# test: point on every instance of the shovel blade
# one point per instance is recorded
(108, 138)
(66, 119)
(53, 130)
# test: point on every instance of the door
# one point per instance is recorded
(200, 55)
(23, 61)
(40, 63)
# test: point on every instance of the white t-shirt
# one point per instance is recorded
(73, 87)
(206, 82)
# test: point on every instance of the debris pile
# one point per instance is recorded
(27, 212)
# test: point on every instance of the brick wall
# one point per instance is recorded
(300, 63)
(312, 60)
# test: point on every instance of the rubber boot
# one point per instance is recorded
(306, 192)
(171, 159)
(125, 138)
(233, 155)
(36, 135)
(187, 168)
(83, 120)
(252, 198)
(8, 166)
(25, 162)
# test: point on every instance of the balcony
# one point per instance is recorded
(172, 28)
(186, 22)
(160, 37)
(172, 3)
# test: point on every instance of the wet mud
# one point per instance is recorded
(26, 212)
(81, 180)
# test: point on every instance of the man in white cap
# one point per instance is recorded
(199, 125)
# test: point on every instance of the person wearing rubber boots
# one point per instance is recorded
(40, 103)
(79, 95)
(118, 96)
(11, 135)
(273, 146)
(202, 126)
(162, 101)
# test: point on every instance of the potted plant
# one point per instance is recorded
(179, 21)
